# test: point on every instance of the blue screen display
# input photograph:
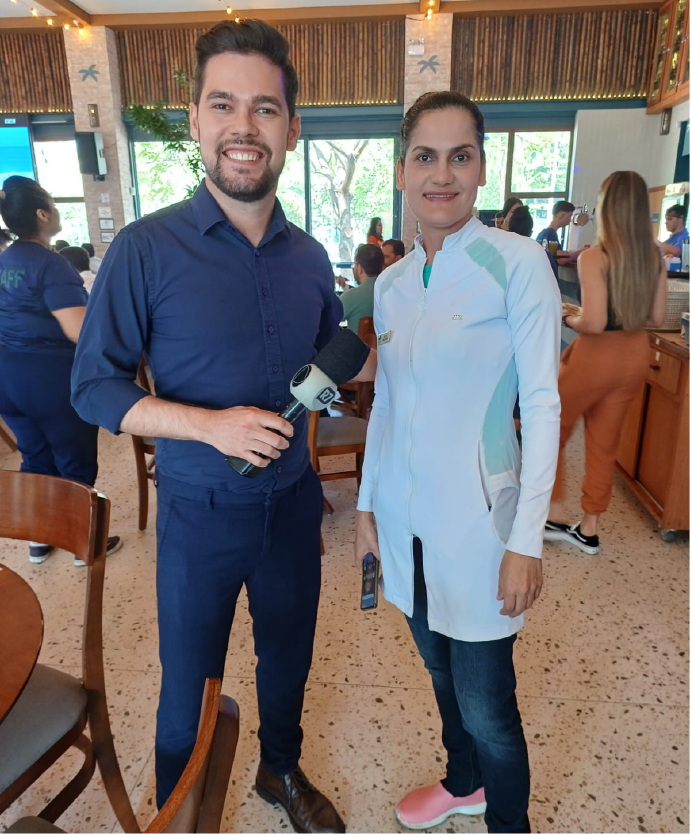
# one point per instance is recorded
(15, 153)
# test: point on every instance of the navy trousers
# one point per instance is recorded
(210, 544)
(35, 404)
(475, 688)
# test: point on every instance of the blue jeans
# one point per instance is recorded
(210, 544)
(475, 684)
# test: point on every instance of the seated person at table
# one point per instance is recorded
(562, 212)
(359, 302)
(393, 251)
(675, 223)
(79, 259)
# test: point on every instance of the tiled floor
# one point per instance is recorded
(602, 668)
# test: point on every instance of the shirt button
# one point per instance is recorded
(279, 469)
(265, 292)
(271, 328)
(256, 253)
(275, 369)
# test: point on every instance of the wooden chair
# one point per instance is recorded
(197, 802)
(6, 436)
(53, 710)
(364, 391)
(337, 436)
(144, 447)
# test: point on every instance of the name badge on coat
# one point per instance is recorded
(384, 338)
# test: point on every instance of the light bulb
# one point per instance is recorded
(229, 10)
(50, 21)
(34, 12)
(67, 26)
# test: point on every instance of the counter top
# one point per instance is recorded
(673, 343)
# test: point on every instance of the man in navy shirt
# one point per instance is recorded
(562, 212)
(227, 300)
(675, 223)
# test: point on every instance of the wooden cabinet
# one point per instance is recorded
(653, 457)
(669, 80)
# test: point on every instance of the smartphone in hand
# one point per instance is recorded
(370, 582)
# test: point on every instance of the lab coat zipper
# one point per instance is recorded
(422, 306)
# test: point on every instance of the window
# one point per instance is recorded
(162, 176)
(57, 169)
(532, 165)
(291, 186)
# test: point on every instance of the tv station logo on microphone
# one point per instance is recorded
(326, 395)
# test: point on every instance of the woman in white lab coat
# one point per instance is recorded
(464, 322)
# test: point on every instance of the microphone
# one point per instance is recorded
(314, 386)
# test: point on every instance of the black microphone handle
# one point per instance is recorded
(248, 470)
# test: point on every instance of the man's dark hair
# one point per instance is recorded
(248, 37)
(677, 211)
(442, 100)
(397, 245)
(89, 249)
(370, 258)
(77, 256)
(521, 222)
(61, 244)
(562, 205)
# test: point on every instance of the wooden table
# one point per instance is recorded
(21, 635)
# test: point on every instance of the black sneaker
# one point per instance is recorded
(555, 532)
(38, 553)
(114, 544)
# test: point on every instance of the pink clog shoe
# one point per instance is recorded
(430, 806)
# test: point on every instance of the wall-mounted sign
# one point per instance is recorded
(106, 223)
(105, 211)
(107, 237)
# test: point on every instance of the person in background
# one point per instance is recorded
(42, 304)
(359, 302)
(675, 223)
(624, 289)
(562, 212)
(445, 499)
(498, 220)
(510, 205)
(61, 244)
(375, 231)
(5, 239)
(94, 262)
(393, 251)
(521, 222)
(79, 259)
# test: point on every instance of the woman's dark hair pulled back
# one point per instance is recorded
(21, 198)
(442, 100)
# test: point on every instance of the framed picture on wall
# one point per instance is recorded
(106, 223)
(107, 237)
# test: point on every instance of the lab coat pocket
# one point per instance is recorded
(504, 490)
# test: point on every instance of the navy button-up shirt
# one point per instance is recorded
(222, 324)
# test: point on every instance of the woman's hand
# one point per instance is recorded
(570, 309)
(366, 539)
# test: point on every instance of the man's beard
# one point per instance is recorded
(243, 192)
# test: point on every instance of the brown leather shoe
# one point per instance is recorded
(308, 810)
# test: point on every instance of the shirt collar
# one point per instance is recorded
(208, 213)
(462, 235)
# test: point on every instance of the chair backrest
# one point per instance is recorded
(366, 331)
(196, 803)
(52, 510)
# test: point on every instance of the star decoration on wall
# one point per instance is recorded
(432, 64)
(91, 72)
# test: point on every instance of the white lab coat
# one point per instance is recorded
(442, 461)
